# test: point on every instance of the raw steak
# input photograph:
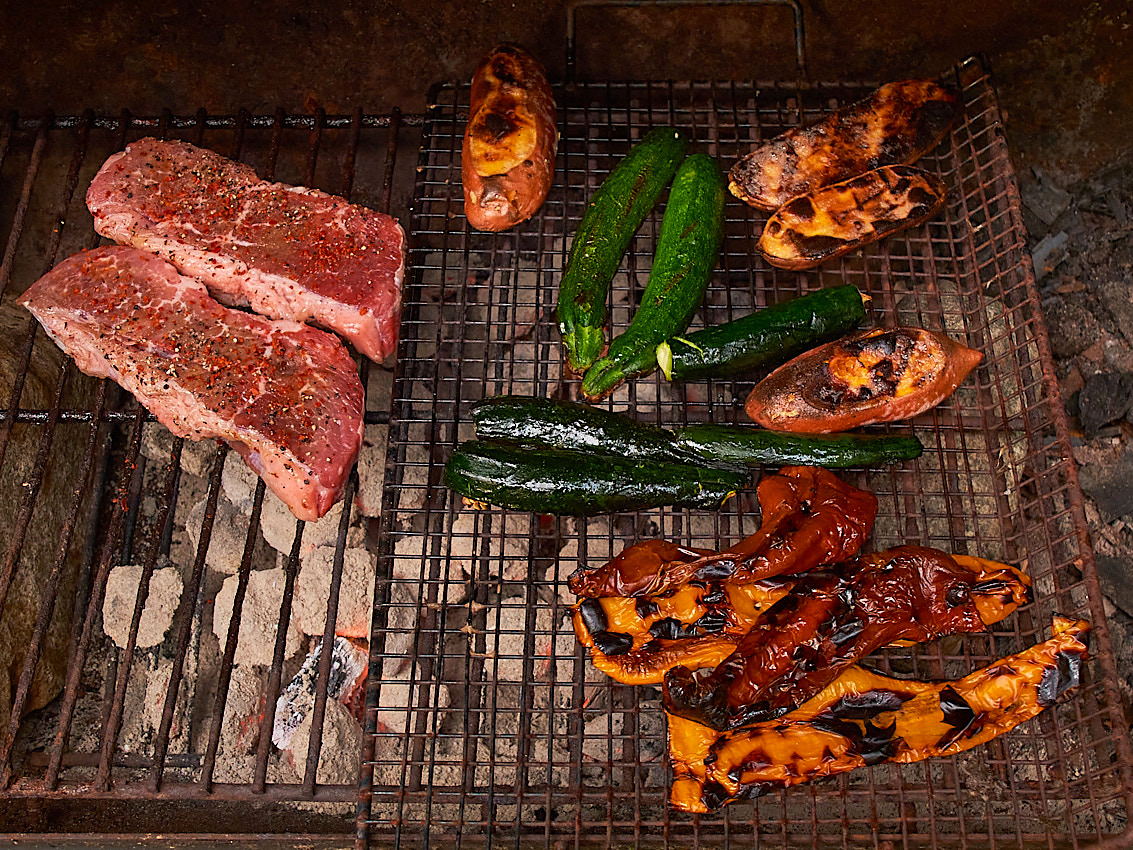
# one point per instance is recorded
(285, 251)
(284, 395)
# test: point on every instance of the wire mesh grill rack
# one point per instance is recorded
(498, 731)
(173, 732)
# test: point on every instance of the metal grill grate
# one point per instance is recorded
(485, 723)
(92, 482)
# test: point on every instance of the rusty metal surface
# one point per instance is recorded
(504, 735)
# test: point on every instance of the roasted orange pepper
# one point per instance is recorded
(865, 718)
(833, 618)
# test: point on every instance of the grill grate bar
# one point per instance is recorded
(226, 663)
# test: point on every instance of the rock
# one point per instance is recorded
(56, 495)
(258, 617)
(1110, 485)
(1114, 293)
(355, 598)
(1073, 326)
(160, 605)
(1104, 398)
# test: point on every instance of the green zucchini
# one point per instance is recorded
(764, 338)
(571, 483)
(687, 249)
(561, 424)
(756, 446)
(612, 217)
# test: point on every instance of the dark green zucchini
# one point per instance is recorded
(756, 446)
(765, 338)
(570, 483)
(612, 217)
(687, 249)
(561, 424)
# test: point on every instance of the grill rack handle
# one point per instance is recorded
(794, 5)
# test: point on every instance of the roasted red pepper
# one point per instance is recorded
(882, 375)
(810, 517)
(832, 619)
(864, 718)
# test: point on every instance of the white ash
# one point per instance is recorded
(445, 770)
(508, 552)
(278, 524)
(402, 691)
(372, 470)
(545, 749)
(401, 619)
(258, 618)
(339, 750)
(150, 677)
(240, 728)
(239, 483)
(197, 456)
(601, 738)
(506, 636)
(450, 573)
(160, 604)
(227, 539)
(349, 663)
(356, 592)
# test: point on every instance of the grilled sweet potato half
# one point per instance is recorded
(895, 125)
(834, 220)
(881, 375)
(508, 158)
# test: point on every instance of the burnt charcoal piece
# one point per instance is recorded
(1105, 398)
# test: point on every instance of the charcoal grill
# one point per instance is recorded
(496, 731)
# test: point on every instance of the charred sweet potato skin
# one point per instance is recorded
(508, 154)
(880, 375)
(895, 125)
(826, 223)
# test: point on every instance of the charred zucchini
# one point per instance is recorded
(687, 249)
(764, 338)
(570, 483)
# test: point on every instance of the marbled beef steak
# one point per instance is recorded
(286, 251)
(284, 395)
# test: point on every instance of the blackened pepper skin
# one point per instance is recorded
(831, 619)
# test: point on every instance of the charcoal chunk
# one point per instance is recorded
(1105, 397)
